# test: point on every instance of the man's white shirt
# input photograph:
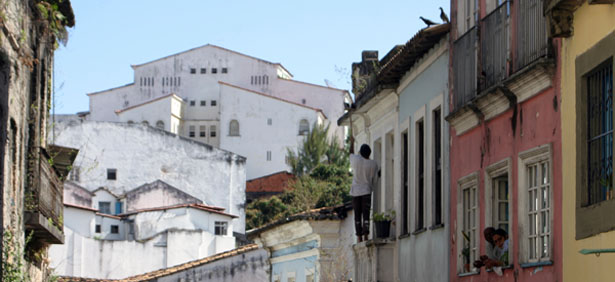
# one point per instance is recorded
(365, 174)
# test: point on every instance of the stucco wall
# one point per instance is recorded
(422, 257)
(249, 266)
(256, 137)
(156, 194)
(591, 24)
(214, 176)
(76, 195)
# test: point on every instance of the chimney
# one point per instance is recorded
(364, 73)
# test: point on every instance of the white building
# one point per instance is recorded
(171, 229)
(185, 94)
(121, 157)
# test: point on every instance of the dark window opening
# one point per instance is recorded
(224, 70)
(192, 103)
(191, 131)
(214, 70)
(97, 228)
(203, 70)
(213, 103)
(420, 189)
(192, 71)
(221, 228)
(437, 145)
(111, 174)
(404, 152)
(203, 103)
(104, 207)
(115, 229)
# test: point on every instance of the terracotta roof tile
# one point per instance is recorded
(277, 182)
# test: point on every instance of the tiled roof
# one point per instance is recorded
(147, 102)
(80, 279)
(171, 270)
(202, 207)
(276, 182)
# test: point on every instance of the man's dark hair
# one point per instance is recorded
(365, 151)
(489, 232)
(501, 232)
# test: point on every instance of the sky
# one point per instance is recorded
(315, 40)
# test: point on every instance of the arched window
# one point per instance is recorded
(233, 128)
(130, 122)
(304, 127)
(160, 124)
(145, 122)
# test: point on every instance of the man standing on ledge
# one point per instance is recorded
(364, 177)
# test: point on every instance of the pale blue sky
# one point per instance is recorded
(315, 40)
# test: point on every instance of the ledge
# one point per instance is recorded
(419, 231)
(43, 229)
(536, 264)
(437, 226)
(402, 236)
(471, 273)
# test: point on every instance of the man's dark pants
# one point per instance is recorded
(361, 206)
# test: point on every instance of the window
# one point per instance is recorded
(233, 128)
(203, 70)
(265, 79)
(213, 103)
(535, 198)
(111, 174)
(160, 124)
(304, 127)
(192, 71)
(221, 227)
(258, 79)
(104, 207)
(468, 236)
(191, 131)
(269, 121)
(252, 80)
(268, 155)
(145, 122)
(224, 70)
(466, 13)
(499, 203)
(97, 228)
(118, 207)
(130, 122)
(74, 174)
(115, 229)
(303, 101)
(437, 168)
(600, 134)
(202, 131)
(214, 70)
(595, 203)
(203, 103)
(192, 103)
(212, 131)
(420, 177)
(404, 195)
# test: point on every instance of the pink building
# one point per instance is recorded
(505, 149)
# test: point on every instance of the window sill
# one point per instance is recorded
(402, 236)
(468, 273)
(536, 264)
(419, 231)
(437, 226)
(503, 268)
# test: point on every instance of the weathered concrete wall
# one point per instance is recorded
(214, 176)
(156, 194)
(77, 195)
(424, 256)
(256, 136)
(250, 266)
(26, 59)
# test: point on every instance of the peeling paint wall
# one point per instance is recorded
(250, 266)
(214, 176)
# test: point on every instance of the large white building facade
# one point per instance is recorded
(195, 94)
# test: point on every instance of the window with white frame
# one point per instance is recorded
(104, 207)
(535, 197)
(500, 203)
(221, 228)
(304, 127)
(468, 217)
(466, 15)
(212, 131)
(191, 129)
(420, 175)
(437, 168)
(202, 131)
(233, 128)
(268, 156)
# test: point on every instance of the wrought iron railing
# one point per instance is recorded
(532, 38)
(495, 39)
(464, 68)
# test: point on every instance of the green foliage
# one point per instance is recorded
(13, 264)
(383, 216)
(323, 180)
(50, 12)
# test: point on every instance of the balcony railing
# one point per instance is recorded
(464, 67)
(532, 39)
(44, 195)
(495, 46)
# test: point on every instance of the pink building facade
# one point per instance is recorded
(505, 141)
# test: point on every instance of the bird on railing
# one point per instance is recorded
(443, 16)
(427, 22)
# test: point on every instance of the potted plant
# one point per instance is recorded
(382, 222)
(465, 252)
